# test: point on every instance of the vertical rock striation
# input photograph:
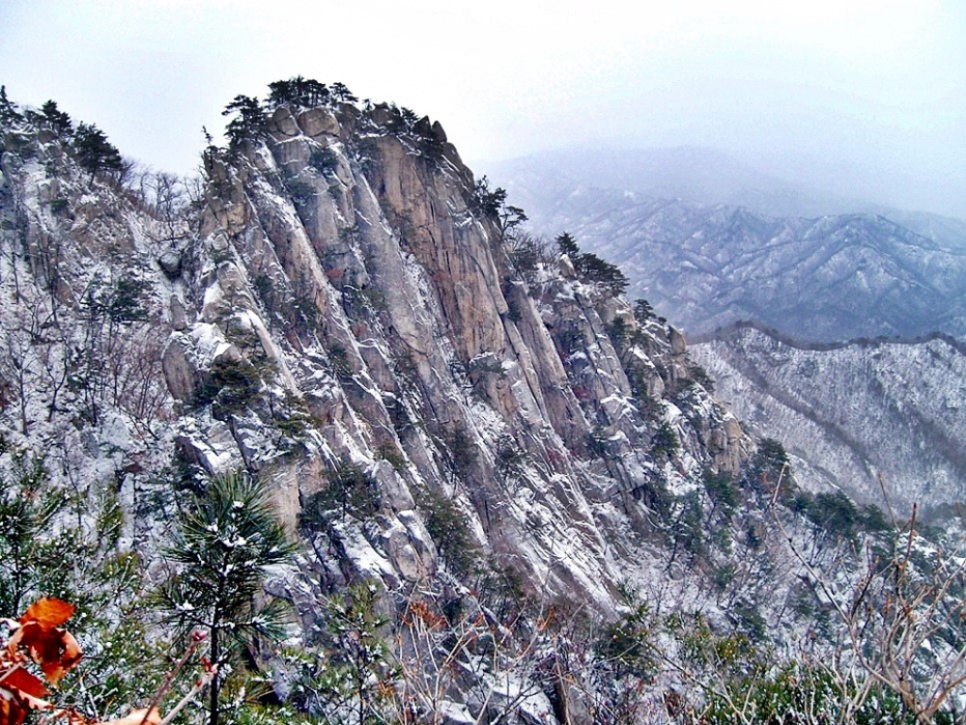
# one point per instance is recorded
(337, 301)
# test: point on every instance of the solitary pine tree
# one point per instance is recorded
(250, 122)
(224, 540)
(642, 311)
(485, 201)
(568, 245)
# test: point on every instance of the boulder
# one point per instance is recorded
(282, 123)
(678, 344)
(438, 133)
(179, 319)
(170, 264)
(566, 267)
(318, 122)
(179, 372)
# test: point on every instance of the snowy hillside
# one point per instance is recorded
(337, 298)
(850, 412)
(508, 492)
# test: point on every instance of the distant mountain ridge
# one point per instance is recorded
(703, 175)
(735, 327)
(703, 265)
(848, 412)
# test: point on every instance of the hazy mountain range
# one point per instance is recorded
(709, 241)
(692, 173)
(670, 221)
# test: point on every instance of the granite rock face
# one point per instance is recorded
(337, 299)
(381, 296)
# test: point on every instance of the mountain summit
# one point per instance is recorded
(341, 295)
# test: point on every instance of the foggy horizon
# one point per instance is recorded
(846, 194)
(860, 99)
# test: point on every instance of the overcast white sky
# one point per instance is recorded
(860, 97)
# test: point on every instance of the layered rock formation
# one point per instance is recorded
(335, 297)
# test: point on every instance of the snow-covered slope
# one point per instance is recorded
(851, 412)
(439, 412)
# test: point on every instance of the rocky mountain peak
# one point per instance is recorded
(444, 410)
(340, 294)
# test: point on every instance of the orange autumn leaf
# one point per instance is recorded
(54, 649)
(18, 696)
(48, 612)
(19, 679)
(51, 647)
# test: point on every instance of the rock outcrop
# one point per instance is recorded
(341, 298)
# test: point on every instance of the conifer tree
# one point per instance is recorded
(642, 311)
(8, 109)
(94, 152)
(224, 540)
(58, 121)
(567, 245)
(487, 202)
(249, 123)
(281, 92)
(342, 92)
(30, 564)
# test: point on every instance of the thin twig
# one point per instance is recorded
(196, 639)
(200, 685)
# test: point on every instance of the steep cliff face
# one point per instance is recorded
(420, 339)
(335, 299)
